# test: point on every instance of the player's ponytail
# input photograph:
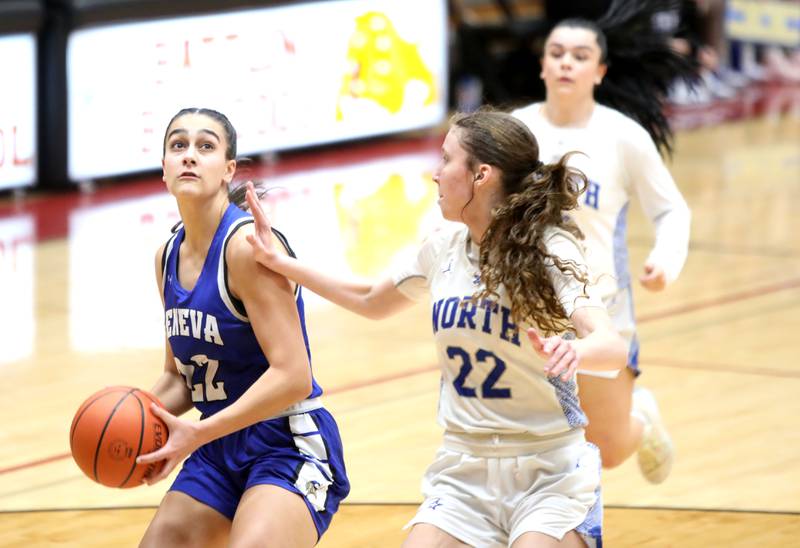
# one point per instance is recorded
(236, 194)
(513, 252)
(642, 65)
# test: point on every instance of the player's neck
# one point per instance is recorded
(478, 227)
(478, 213)
(567, 111)
(200, 222)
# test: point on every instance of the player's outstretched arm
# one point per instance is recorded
(375, 300)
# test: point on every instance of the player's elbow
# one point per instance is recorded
(682, 215)
(372, 309)
(374, 313)
(302, 386)
(297, 390)
(296, 382)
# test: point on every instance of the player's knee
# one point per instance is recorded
(171, 531)
(291, 535)
(612, 449)
(611, 458)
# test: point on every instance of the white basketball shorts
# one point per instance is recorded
(489, 501)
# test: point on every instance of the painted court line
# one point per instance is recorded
(706, 366)
(721, 300)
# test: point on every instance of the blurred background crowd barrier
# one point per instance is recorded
(89, 84)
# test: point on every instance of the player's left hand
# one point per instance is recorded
(264, 250)
(183, 439)
(561, 355)
(654, 278)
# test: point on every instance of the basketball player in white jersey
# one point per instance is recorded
(620, 160)
(514, 468)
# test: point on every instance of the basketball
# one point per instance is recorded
(110, 429)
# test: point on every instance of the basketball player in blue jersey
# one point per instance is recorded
(265, 461)
(605, 85)
(514, 468)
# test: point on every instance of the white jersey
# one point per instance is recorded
(492, 380)
(619, 159)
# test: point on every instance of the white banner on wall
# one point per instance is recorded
(17, 276)
(111, 257)
(285, 76)
(363, 214)
(17, 110)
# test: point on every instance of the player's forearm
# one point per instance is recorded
(671, 247)
(171, 390)
(602, 350)
(277, 389)
(352, 295)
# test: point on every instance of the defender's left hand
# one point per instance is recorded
(561, 354)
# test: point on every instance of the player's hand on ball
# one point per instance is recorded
(183, 439)
(561, 355)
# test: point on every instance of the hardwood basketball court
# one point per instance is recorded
(719, 348)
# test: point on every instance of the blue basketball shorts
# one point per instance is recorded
(301, 453)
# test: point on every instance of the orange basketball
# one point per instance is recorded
(110, 429)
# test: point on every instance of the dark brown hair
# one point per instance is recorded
(642, 64)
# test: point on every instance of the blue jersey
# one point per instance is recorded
(214, 345)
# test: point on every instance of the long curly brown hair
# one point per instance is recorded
(513, 252)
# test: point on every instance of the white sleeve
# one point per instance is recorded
(572, 293)
(411, 273)
(661, 201)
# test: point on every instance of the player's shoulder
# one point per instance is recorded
(445, 235)
(620, 124)
(238, 231)
(166, 244)
(528, 113)
(552, 232)
(160, 254)
(559, 239)
(238, 253)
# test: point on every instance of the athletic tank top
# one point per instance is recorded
(215, 348)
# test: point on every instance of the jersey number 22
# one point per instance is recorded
(488, 389)
(211, 389)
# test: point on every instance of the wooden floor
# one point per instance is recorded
(380, 526)
(719, 349)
